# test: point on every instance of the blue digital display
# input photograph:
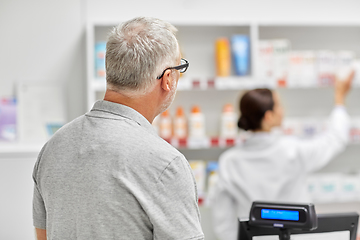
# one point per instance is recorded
(280, 214)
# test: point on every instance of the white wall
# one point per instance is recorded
(16, 188)
(39, 41)
(227, 10)
(44, 41)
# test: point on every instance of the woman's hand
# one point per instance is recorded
(342, 87)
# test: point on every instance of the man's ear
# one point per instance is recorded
(166, 81)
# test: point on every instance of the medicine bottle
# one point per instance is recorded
(180, 124)
(196, 123)
(165, 125)
(228, 128)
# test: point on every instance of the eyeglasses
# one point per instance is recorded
(182, 67)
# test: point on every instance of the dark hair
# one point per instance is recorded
(253, 106)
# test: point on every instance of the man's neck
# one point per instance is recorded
(145, 104)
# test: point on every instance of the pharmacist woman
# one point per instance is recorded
(268, 166)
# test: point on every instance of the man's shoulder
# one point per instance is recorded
(70, 126)
(160, 149)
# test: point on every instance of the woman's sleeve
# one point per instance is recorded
(317, 152)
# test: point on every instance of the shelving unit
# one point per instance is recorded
(19, 150)
(8, 148)
(200, 85)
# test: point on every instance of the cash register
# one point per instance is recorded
(287, 221)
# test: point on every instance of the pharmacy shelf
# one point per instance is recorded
(20, 149)
(14, 150)
(218, 83)
(215, 142)
(241, 83)
(229, 83)
(200, 86)
(197, 38)
(205, 143)
(221, 83)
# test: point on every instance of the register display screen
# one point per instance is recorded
(278, 214)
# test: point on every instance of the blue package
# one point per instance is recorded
(100, 50)
(212, 166)
(241, 54)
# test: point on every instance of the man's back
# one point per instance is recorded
(107, 175)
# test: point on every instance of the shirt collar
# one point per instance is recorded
(119, 110)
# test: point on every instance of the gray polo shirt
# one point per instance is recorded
(108, 175)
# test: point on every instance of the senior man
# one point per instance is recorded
(107, 174)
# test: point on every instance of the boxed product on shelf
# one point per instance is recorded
(355, 130)
(296, 61)
(326, 67)
(324, 187)
(291, 126)
(350, 188)
(312, 126)
(100, 50)
(302, 68)
(199, 170)
(309, 127)
(277, 62)
(334, 187)
(212, 178)
(281, 51)
(265, 59)
(273, 60)
(303, 127)
(8, 119)
(356, 67)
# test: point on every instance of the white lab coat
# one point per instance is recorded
(271, 167)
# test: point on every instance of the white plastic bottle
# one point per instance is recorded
(165, 125)
(196, 123)
(228, 128)
(180, 124)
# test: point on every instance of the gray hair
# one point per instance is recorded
(137, 51)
